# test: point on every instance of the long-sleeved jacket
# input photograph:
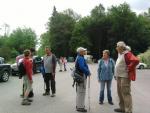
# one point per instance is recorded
(131, 62)
(82, 66)
(105, 72)
(28, 66)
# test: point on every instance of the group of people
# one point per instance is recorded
(123, 71)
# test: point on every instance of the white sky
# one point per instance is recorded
(35, 13)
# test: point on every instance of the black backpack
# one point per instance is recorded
(21, 69)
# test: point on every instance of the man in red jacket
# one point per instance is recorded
(27, 79)
(125, 72)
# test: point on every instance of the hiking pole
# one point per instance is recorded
(89, 92)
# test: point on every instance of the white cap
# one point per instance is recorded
(79, 49)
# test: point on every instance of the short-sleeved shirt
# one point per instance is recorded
(48, 66)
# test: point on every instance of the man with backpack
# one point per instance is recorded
(18, 61)
(27, 78)
(83, 70)
(49, 62)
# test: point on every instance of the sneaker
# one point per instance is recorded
(118, 110)
(53, 95)
(81, 110)
(46, 93)
(25, 102)
(111, 103)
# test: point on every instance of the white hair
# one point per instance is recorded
(121, 44)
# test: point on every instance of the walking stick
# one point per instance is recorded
(89, 92)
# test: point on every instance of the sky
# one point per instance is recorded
(35, 13)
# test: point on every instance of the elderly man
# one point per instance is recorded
(124, 64)
(82, 67)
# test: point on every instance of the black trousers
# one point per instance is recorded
(49, 80)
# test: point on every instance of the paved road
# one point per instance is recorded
(64, 102)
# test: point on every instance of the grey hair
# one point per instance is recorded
(121, 44)
(106, 51)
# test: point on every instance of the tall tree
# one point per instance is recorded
(60, 27)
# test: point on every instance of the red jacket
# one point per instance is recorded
(131, 62)
(28, 66)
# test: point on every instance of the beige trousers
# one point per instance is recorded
(124, 93)
(80, 95)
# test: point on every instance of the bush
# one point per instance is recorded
(145, 57)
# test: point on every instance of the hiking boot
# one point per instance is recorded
(118, 110)
(53, 95)
(30, 100)
(25, 102)
(111, 103)
(81, 110)
(46, 93)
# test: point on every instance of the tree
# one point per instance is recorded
(80, 34)
(60, 28)
(22, 38)
(126, 26)
(44, 41)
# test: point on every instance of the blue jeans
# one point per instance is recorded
(102, 86)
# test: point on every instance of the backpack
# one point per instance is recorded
(21, 69)
(77, 75)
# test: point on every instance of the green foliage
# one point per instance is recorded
(44, 41)
(98, 31)
(19, 40)
(80, 35)
(22, 39)
(145, 57)
(60, 28)
(5, 52)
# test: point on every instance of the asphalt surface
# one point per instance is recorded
(64, 102)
